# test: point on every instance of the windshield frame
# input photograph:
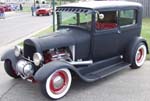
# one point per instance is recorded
(78, 21)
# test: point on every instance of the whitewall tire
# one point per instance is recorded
(139, 56)
(58, 83)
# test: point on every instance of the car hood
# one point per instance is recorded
(61, 38)
(43, 9)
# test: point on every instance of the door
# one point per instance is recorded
(105, 37)
(130, 27)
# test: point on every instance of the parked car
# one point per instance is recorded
(2, 12)
(44, 10)
(92, 42)
(7, 8)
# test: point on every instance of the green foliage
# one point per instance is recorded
(146, 32)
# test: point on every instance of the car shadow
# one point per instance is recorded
(78, 87)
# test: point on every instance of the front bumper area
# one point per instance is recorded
(24, 69)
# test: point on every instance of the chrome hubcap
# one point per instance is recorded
(58, 82)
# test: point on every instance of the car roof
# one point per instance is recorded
(103, 4)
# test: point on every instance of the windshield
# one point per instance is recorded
(45, 6)
(82, 20)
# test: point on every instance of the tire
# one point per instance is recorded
(57, 84)
(139, 56)
(48, 14)
(37, 14)
(9, 69)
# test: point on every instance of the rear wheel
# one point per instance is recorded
(58, 83)
(9, 69)
(139, 56)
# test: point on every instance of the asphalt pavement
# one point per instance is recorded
(20, 25)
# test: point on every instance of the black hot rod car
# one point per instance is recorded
(94, 39)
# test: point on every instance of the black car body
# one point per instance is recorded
(93, 40)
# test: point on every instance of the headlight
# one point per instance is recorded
(18, 51)
(37, 59)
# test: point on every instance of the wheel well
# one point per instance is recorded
(129, 50)
(74, 74)
(146, 46)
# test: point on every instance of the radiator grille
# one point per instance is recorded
(29, 50)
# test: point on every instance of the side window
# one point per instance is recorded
(106, 20)
(85, 18)
(127, 17)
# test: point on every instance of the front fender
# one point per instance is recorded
(47, 69)
(9, 54)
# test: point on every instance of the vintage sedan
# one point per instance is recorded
(44, 10)
(91, 42)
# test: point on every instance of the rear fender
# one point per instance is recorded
(130, 49)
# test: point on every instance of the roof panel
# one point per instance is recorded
(103, 4)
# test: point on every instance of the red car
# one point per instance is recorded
(7, 8)
(45, 10)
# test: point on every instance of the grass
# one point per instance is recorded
(44, 32)
(26, 9)
(146, 32)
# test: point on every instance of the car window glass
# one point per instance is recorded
(127, 17)
(81, 20)
(85, 18)
(69, 18)
(106, 20)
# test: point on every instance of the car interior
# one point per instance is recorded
(106, 20)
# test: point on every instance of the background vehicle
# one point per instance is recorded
(44, 10)
(7, 8)
(92, 42)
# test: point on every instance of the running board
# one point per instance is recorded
(103, 72)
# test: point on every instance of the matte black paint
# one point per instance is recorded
(89, 73)
(9, 54)
(64, 38)
(130, 49)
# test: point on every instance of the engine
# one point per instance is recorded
(57, 54)
(26, 68)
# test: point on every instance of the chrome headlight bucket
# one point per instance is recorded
(37, 59)
(18, 51)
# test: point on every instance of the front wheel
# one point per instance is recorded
(9, 69)
(139, 56)
(58, 83)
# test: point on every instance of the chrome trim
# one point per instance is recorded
(26, 59)
(39, 57)
(72, 48)
(17, 50)
(81, 62)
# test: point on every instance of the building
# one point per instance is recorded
(146, 6)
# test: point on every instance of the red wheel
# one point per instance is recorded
(58, 83)
(140, 56)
